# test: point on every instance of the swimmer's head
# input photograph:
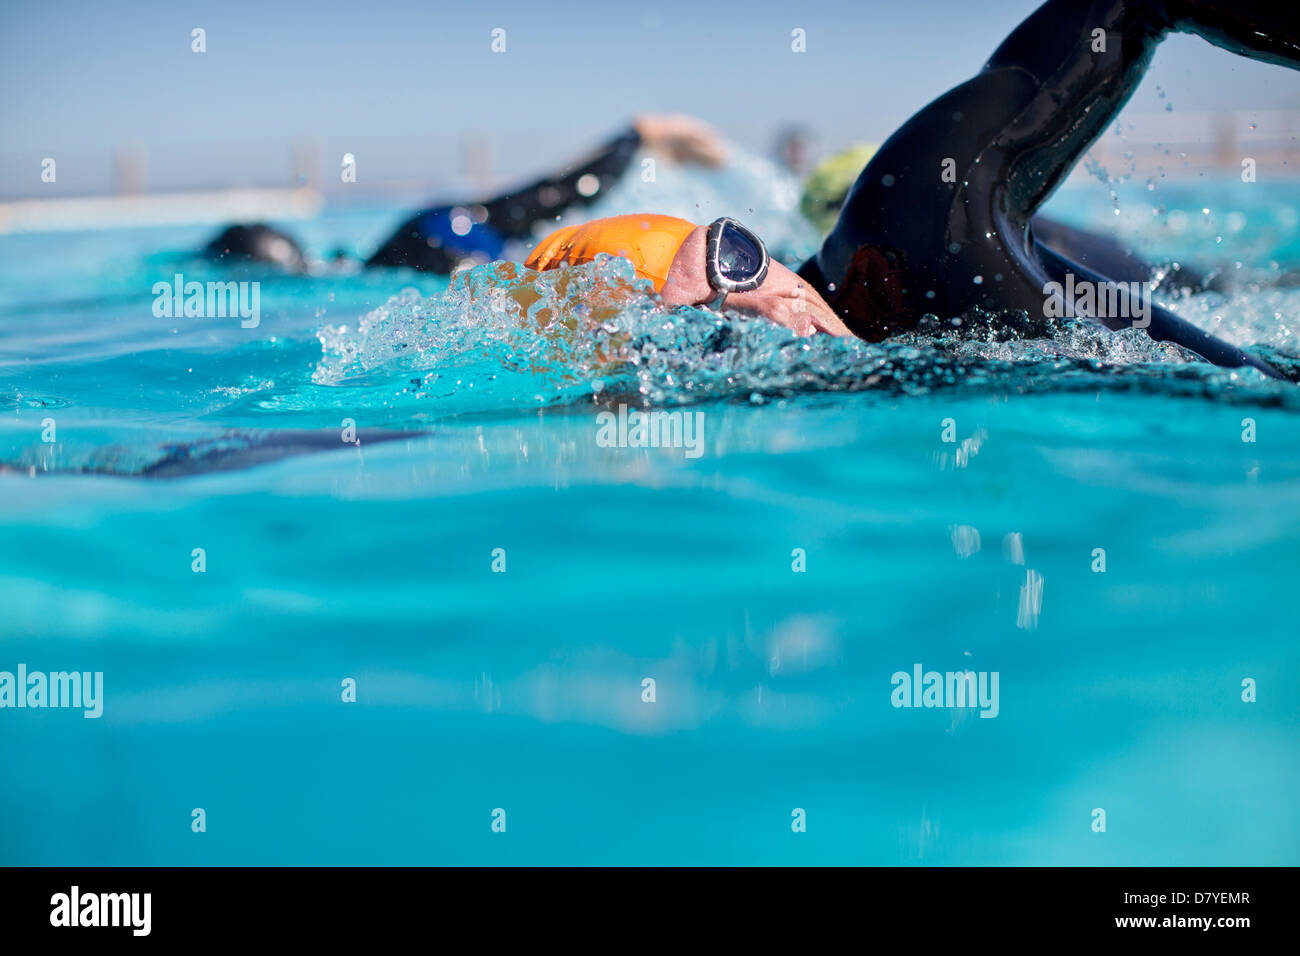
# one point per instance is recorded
(460, 234)
(257, 243)
(792, 149)
(830, 182)
(442, 240)
(692, 265)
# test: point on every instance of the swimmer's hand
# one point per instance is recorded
(788, 300)
(682, 138)
(783, 297)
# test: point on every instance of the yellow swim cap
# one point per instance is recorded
(830, 182)
(650, 241)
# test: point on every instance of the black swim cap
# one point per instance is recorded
(257, 243)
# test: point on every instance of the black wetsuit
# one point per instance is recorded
(910, 241)
(443, 237)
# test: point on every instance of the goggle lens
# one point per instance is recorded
(739, 256)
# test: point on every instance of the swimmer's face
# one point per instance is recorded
(783, 297)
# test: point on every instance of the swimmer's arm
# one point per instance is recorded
(517, 213)
(682, 139)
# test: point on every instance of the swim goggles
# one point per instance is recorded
(735, 260)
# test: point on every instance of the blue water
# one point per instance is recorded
(522, 690)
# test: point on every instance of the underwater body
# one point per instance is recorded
(1103, 522)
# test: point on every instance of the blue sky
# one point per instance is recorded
(403, 84)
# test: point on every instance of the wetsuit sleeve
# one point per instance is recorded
(1086, 57)
(516, 213)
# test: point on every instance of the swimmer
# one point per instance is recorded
(256, 242)
(442, 239)
(910, 241)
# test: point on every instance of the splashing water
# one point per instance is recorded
(503, 336)
(597, 332)
(578, 331)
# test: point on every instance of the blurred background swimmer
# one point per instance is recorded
(444, 238)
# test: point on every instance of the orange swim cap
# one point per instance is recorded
(650, 241)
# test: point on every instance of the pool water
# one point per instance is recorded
(857, 511)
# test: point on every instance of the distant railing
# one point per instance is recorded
(127, 185)
(1179, 143)
(158, 209)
